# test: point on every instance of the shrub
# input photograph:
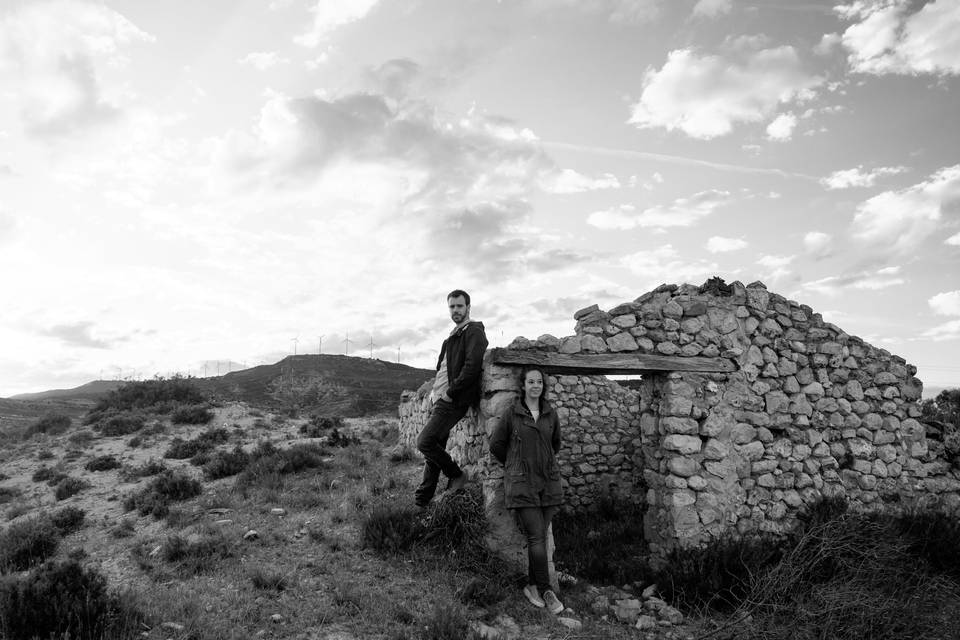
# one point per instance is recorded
(340, 439)
(195, 555)
(124, 529)
(17, 510)
(52, 424)
(719, 575)
(48, 475)
(63, 600)
(155, 498)
(454, 530)
(68, 520)
(268, 580)
(933, 536)
(44, 454)
(7, 494)
(849, 578)
(181, 449)
(121, 424)
(268, 464)
(226, 463)
(69, 487)
(149, 468)
(81, 438)
(392, 529)
(447, 622)
(135, 442)
(401, 453)
(160, 395)
(319, 425)
(192, 414)
(102, 463)
(27, 543)
(603, 544)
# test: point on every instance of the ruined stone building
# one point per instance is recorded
(749, 407)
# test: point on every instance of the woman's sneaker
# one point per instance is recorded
(533, 595)
(551, 602)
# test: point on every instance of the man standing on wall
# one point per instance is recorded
(455, 390)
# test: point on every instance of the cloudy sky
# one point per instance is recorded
(184, 183)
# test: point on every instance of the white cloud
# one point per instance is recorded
(818, 243)
(953, 240)
(719, 244)
(781, 129)
(705, 96)
(59, 48)
(900, 36)
(776, 266)
(866, 280)
(570, 181)
(827, 43)
(444, 187)
(682, 212)
(329, 15)
(946, 331)
(900, 220)
(628, 12)
(263, 60)
(857, 177)
(712, 8)
(946, 304)
(665, 265)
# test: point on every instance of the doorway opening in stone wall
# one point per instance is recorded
(599, 536)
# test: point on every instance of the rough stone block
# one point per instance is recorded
(743, 433)
(716, 450)
(682, 443)
(570, 344)
(622, 342)
(680, 425)
(683, 466)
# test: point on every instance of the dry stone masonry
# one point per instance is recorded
(807, 411)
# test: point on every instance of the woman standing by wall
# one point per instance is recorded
(526, 441)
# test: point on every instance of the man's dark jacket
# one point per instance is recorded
(464, 351)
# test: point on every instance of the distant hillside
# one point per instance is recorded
(90, 390)
(323, 384)
(16, 414)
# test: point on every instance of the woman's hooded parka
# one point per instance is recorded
(527, 449)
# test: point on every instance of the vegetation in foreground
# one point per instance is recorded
(285, 537)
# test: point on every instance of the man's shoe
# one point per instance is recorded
(533, 595)
(458, 483)
(552, 603)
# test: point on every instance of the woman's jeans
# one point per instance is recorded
(535, 521)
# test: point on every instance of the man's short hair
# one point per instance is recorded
(459, 293)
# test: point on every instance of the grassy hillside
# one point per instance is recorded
(88, 391)
(322, 384)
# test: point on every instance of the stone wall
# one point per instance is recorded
(810, 411)
(601, 449)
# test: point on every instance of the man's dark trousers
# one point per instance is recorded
(432, 443)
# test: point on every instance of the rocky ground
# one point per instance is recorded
(285, 558)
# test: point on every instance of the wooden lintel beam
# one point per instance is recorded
(610, 363)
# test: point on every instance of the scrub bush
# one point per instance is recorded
(168, 487)
(181, 449)
(51, 424)
(27, 543)
(102, 463)
(69, 487)
(64, 600)
(192, 414)
(68, 520)
(223, 464)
